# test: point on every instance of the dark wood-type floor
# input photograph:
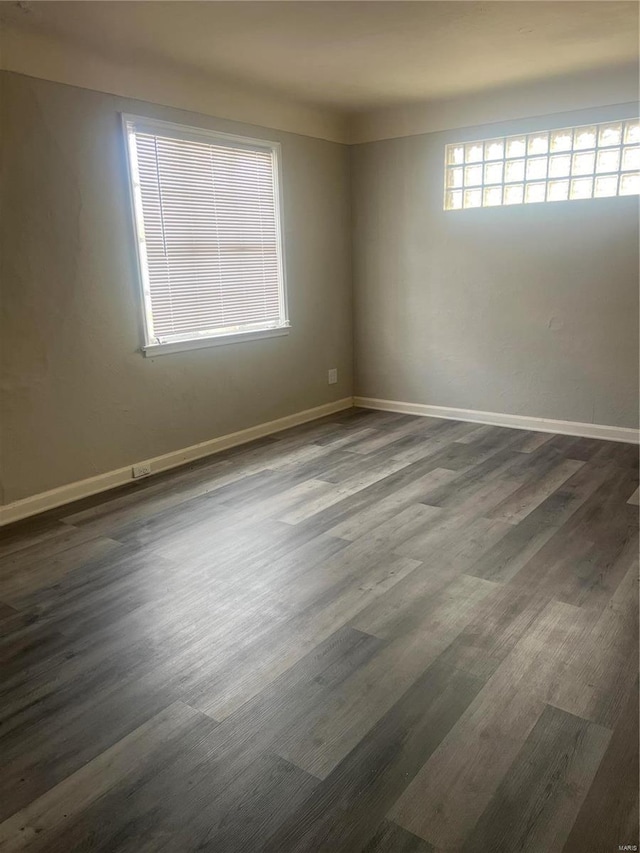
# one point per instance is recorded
(373, 633)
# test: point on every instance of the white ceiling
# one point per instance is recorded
(351, 55)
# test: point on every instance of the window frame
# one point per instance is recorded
(151, 346)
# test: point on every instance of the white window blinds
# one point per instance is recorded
(208, 232)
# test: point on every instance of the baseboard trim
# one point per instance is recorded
(103, 482)
(580, 430)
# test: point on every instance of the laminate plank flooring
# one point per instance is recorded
(375, 633)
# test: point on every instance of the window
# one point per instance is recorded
(207, 222)
(593, 161)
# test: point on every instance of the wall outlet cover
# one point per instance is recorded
(333, 376)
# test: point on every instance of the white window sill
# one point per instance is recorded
(151, 350)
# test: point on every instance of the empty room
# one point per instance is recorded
(319, 426)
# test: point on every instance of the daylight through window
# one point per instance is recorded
(207, 223)
(593, 161)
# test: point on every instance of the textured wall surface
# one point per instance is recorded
(528, 310)
(78, 397)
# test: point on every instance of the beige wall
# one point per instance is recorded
(601, 86)
(528, 310)
(38, 54)
(78, 397)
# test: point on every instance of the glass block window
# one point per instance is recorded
(593, 161)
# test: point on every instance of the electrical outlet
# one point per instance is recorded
(333, 376)
(142, 470)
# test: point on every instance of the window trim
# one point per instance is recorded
(151, 346)
(151, 350)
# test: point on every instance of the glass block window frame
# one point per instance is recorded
(589, 161)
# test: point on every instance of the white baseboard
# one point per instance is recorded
(102, 482)
(609, 433)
